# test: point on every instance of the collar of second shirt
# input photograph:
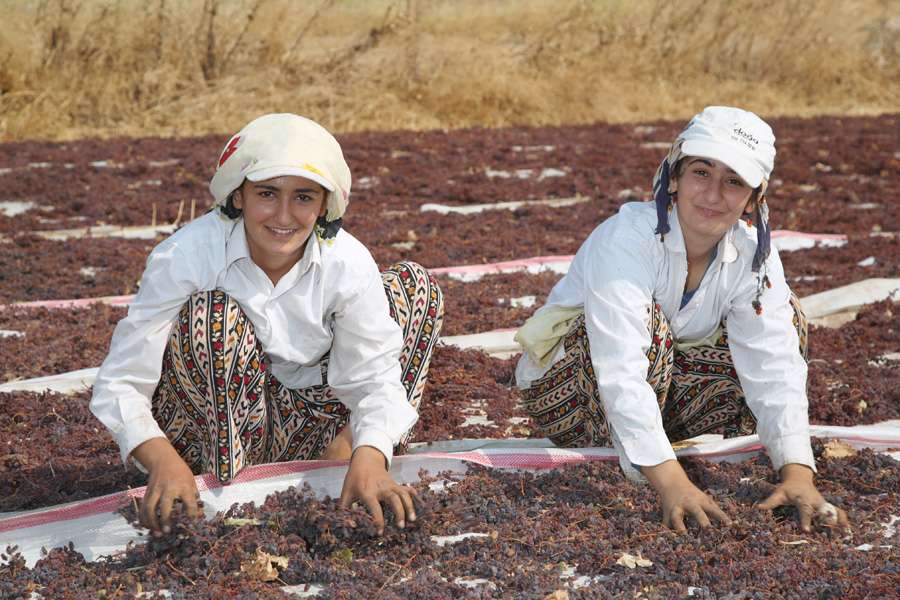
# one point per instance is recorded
(237, 249)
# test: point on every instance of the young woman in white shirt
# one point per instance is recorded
(675, 320)
(264, 332)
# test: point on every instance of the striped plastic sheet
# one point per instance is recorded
(96, 529)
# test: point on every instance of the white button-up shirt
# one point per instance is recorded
(331, 300)
(621, 269)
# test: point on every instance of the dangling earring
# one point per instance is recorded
(748, 216)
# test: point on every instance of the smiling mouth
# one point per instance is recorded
(708, 212)
(282, 232)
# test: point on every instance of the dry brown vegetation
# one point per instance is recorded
(75, 68)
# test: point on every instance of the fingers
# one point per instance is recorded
(346, 495)
(393, 498)
(825, 514)
(806, 516)
(700, 511)
(404, 493)
(812, 509)
(676, 520)
(191, 504)
(718, 514)
(348, 492)
(167, 504)
(778, 498)
(700, 515)
(165, 510)
(162, 496)
(148, 509)
(374, 508)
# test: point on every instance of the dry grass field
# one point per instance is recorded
(76, 68)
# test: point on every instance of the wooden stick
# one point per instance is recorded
(394, 574)
(178, 216)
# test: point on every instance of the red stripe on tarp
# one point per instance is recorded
(113, 501)
(487, 268)
(814, 236)
(75, 303)
(503, 460)
(208, 481)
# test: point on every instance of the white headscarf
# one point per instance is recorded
(743, 142)
(282, 144)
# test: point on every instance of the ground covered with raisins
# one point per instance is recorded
(583, 530)
(535, 529)
(468, 395)
(817, 187)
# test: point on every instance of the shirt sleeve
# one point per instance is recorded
(364, 368)
(618, 301)
(765, 348)
(129, 375)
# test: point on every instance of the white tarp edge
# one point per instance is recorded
(96, 529)
(850, 297)
(468, 209)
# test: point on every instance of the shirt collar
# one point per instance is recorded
(236, 248)
(312, 255)
(727, 251)
(674, 240)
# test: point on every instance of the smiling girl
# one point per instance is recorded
(264, 332)
(675, 320)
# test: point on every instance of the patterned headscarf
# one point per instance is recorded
(662, 197)
(276, 145)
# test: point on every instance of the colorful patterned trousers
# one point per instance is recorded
(697, 388)
(222, 409)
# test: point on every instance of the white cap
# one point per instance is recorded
(283, 144)
(735, 137)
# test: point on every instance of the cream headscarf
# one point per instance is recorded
(282, 144)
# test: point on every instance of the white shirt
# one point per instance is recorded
(621, 269)
(331, 300)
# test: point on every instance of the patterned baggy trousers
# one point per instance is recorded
(697, 388)
(221, 407)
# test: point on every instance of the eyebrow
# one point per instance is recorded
(705, 161)
(275, 188)
(709, 163)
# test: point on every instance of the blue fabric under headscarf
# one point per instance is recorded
(663, 199)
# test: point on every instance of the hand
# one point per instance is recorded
(368, 481)
(170, 479)
(797, 488)
(679, 496)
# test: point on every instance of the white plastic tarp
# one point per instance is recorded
(96, 529)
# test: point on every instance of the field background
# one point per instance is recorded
(91, 68)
